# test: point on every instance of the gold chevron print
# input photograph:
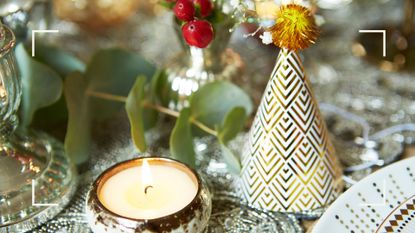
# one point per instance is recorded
(289, 163)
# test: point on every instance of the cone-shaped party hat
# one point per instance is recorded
(289, 164)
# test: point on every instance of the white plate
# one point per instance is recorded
(382, 202)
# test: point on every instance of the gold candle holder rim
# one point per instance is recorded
(109, 172)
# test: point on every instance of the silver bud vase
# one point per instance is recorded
(195, 67)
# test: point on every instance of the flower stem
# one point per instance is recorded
(146, 104)
(106, 96)
(203, 127)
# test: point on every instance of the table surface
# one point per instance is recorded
(330, 64)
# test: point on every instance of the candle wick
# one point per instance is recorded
(145, 190)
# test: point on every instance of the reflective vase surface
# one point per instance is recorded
(194, 67)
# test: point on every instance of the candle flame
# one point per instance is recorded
(146, 176)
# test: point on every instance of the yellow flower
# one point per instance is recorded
(294, 28)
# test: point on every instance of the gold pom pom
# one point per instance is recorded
(295, 28)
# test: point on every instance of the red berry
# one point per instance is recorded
(198, 33)
(184, 10)
(205, 6)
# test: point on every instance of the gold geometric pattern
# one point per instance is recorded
(401, 219)
(289, 163)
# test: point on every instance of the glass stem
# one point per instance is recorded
(408, 25)
(197, 60)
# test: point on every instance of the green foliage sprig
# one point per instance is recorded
(115, 78)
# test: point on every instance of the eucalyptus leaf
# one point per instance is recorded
(161, 88)
(41, 86)
(150, 118)
(212, 102)
(63, 63)
(231, 160)
(114, 71)
(59, 60)
(150, 115)
(134, 110)
(232, 124)
(78, 136)
(51, 118)
(181, 139)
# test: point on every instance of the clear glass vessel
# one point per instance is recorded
(23, 16)
(36, 177)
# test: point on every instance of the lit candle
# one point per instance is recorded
(151, 195)
(161, 190)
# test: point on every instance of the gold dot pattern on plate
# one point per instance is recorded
(401, 219)
(411, 173)
(368, 218)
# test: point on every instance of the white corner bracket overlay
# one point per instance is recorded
(33, 37)
(33, 197)
(383, 32)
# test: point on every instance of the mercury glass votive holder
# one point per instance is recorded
(192, 217)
